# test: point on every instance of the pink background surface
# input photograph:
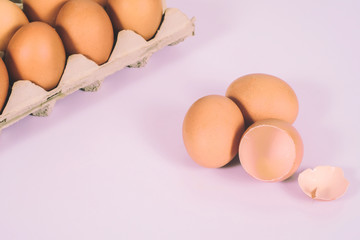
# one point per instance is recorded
(112, 165)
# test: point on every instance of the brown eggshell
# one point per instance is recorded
(141, 16)
(11, 19)
(4, 84)
(43, 10)
(212, 130)
(36, 53)
(101, 2)
(262, 96)
(85, 28)
(271, 150)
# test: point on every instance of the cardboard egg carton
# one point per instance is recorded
(131, 50)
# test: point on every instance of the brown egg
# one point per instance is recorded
(36, 53)
(141, 16)
(11, 19)
(262, 96)
(4, 84)
(101, 2)
(85, 28)
(212, 130)
(271, 150)
(43, 10)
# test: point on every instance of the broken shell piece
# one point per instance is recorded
(323, 183)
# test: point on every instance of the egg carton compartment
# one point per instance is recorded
(131, 50)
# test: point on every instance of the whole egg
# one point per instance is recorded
(141, 16)
(11, 19)
(36, 53)
(212, 130)
(85, 28)
(42, 10)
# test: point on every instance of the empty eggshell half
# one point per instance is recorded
(323, 183)
(271, 150)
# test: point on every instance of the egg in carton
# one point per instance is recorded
(131, 50)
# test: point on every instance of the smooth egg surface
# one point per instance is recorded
(4, 84)
(262, 96)
(43, 10)
(85, 28)
(141, 16)
(271, 150)
(101, 2)
(212, 129)
(11, 19)
(36, 53)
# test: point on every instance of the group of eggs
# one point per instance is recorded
(37, 40)
(254, 120)
(265, 106)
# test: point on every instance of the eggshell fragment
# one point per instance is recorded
(262, 96)
(4, 83)
(11, 19)
(85, 28)
(212, 130)
(323, 183)
(271, 150)
(140, 16)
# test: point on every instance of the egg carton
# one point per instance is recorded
(131, 50)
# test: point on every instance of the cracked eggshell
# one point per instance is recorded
(271, 150)
(11, 19)
(212, 130)
(323, 183)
